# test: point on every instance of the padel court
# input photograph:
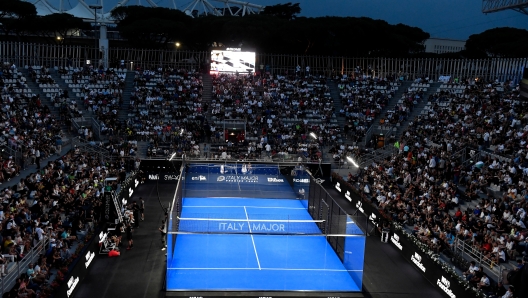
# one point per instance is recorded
(229, 243)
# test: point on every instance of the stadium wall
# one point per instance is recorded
(410, 68)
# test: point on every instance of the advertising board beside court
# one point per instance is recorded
(79, 270)
(193, 178)
(432, 271)
(422, 262)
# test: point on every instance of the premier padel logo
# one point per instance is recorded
(445, 285)
(347, 196)
(417, 260)
(359, 205)
(220, 178)
(395, 239)
(373, 219)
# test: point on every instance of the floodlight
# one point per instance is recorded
(352, 161)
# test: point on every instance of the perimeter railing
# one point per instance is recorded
(20, 267)
(52, 55)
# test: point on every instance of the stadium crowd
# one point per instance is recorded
(166, 109)
(29, 132)
(284, 115)
(363, 98)
(437, 164)
(60, 203)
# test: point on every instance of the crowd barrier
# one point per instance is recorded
(426, 262)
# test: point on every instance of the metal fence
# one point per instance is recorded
(410, 68)
(8, 281)
(470, 252)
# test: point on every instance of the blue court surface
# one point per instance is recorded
(257, 261)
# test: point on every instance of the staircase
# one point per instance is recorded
(46, 101)
(127, 93)
(338, 105)
(402, 88)
(142, 147)
(416, 110)
(207, 94)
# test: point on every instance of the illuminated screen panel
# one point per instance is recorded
(232, 60)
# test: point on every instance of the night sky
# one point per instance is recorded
(454, 19)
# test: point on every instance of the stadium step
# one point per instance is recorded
(417, 110)
(338, 105)
(207, 94)
(404, 85)
(127, 93)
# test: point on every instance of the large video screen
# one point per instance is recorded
(232, 60)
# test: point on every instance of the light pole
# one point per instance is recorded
(95, 7)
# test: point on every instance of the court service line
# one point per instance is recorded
(252, 240)
(271, 269)
(259, 207)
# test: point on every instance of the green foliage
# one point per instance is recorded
(58, 24)
(151, 26)
(16, 9)
(286, 11)
(16, 16)
(499, 42)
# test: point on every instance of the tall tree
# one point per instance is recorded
(499, 42)
(16, 16)
(151, 27)
(59, 27)
(286, 11)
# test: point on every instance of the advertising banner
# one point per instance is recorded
(232, 178)
(447, 284)
(366, 208)
(79, 271)
(160, 170)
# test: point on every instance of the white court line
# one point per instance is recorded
(294, 208)
(250, 220)
(252, 240)
(271, 269)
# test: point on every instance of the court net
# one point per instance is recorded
(211, 225)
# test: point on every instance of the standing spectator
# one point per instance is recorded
(129, 236)
(142, 208)
(37, 158)
(135, 210)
